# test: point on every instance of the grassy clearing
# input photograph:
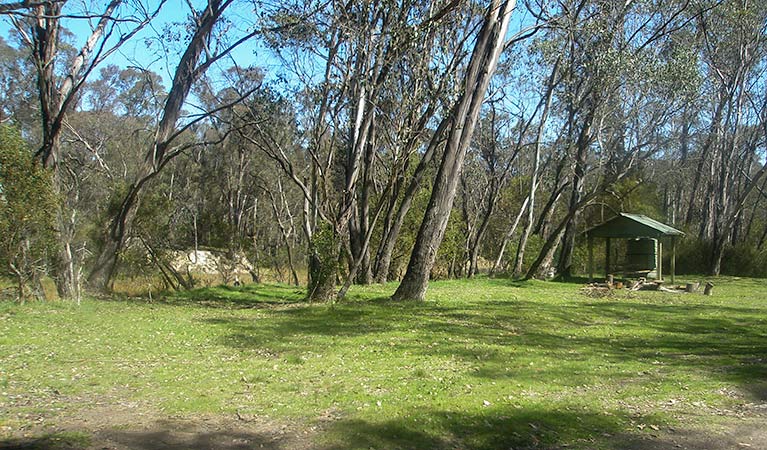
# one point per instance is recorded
(481, 364)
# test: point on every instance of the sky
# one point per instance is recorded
(156, 46)
(152, 48)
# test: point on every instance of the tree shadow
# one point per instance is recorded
(724, 341)
(495, 428)
(169, 439)
(49, 441)
(234, 297)
(161, 435)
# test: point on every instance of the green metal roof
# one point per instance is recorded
(628, 226)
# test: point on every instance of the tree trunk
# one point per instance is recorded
(475, 245)
(187, 72)
(361, 221)
(324, 251)
(509, 234)
(546, 255)
(481, 68)
(568, 241)
(520, 257)
(386, 248)
(66, 267)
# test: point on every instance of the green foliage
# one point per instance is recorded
(323, 264)
(324, 244)
(451, 253)
(27, 205)
(745, 260)
(482, 364)
(692, 256)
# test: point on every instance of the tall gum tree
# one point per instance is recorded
(368, 51)
(463, 119)
(197, 57)
(40, 27)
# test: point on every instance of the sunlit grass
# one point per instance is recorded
(480, 364)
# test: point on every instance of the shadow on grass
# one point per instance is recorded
(53, 441)
(728, 343)
(161, 436)
(501, 427)
(725, 342)
(512, 428)
(494, 428)
(498, 428)
(245, 296)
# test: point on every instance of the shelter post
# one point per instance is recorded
(673, 259)
(660, 260)
(607, 257)
(591, 258)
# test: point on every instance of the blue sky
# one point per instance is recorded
(162, 54)
(152, 49)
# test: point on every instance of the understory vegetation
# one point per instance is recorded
(488, 363)
(329, 144)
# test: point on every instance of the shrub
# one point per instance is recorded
(27, 204)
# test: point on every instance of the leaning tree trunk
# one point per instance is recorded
(484, 59)
(507, 237)
(545, 257)
(386, 248)
(105, 266)
(568, 240)
(188, 71)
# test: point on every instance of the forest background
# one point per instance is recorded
(327, 143)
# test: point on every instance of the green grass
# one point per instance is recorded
(480, 364)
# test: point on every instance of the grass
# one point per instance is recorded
(480, 364)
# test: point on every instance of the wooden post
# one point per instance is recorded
(607, 257)
(673, 259)
(660, 260)
(591, 259)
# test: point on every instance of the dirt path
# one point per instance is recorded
(129, 426)
(132, 427)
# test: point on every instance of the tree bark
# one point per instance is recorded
(520, 257)
(568, 240)
(509, 234)
(188, 71)
(481, 68)
(386, 248)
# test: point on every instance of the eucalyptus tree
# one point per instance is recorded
(211, 39)
(616, 97)
(493, 155)
(364, 54)
(422, 97)
(733, 54)
(545, 106)
(486, 52)
(59, 79)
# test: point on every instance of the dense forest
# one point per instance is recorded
(327, 143)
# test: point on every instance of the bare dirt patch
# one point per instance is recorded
(745, 433)
(129, 426)
(134, 427)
